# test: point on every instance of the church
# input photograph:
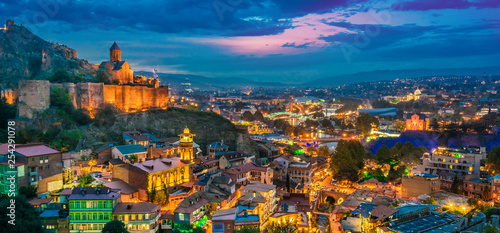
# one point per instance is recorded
(115, 68)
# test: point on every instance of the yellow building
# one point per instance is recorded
(186, 145)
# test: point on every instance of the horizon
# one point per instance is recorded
(273, 41)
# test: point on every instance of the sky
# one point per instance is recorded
(288, 41)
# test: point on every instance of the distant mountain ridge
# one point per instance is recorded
(378, 75)
(24, 55)
(203, 82)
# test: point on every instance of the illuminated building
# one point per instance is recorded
(91, 208)
(460, 161)
(194, 208)
(186, 145)
(293, 209)
(217, 149)
(143, 217)
(422, 183)
(155, 174)
(417, 122)
(35, 165)
(414, 96)
(124, 152)
(115, 67)
(263, 195)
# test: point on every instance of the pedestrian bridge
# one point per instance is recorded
(283, 115)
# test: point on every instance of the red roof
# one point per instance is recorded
(30, 149)
(38, 201)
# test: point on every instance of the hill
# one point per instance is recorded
(24, 55)
(399, 74)
(55, 128)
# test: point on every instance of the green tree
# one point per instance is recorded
(429, 200)
(115, 226)
(281, 228)
(347, 160)
(106, 116)
(101, 77)
(486, 195)
(434, 124)
(8, 112)
(493, 161)
(61, 76)
(133, 158)
(151, 195)
(383, 153)
(60, 98)
(455, 184)
(246, 229)
(257, 116)
(399, 125)
(28, 191)
(326, 124)
(365, 122)
(27, 218)
(166, 195)
(490, 229)
(85, 180)
(247, 116)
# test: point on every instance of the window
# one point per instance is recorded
(33, 159)
(132, 217)
(181, 217)
(89, 205)
(41, 159)
(40, 168)
(47, 167)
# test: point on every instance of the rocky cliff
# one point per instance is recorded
(24, 55)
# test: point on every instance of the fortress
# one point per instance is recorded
(131, 95)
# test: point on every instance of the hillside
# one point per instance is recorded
(55, 128)
(24, 55)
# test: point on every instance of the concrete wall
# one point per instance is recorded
(34, 96)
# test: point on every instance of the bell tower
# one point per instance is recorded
(115, 53)
(186, 145)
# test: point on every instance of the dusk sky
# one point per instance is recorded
(271, 40)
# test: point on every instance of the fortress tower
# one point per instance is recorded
(186, 145)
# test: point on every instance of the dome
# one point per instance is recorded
(186, 130)
(418, 92)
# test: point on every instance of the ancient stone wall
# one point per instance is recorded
(136, 98)
(34, 96)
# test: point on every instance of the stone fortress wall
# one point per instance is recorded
(34, 96)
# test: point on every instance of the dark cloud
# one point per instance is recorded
(424, 5)
(293, 45)
(375, 36)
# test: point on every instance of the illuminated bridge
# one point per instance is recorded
(284, 115)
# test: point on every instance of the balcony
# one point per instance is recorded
(34, 182)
